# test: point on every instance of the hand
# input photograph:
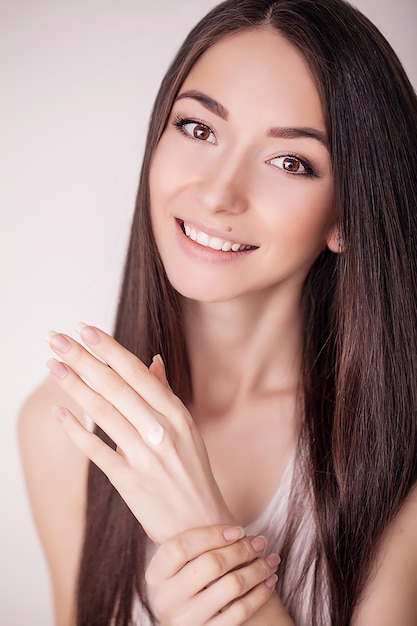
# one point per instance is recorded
(160, 467)
(211, 576)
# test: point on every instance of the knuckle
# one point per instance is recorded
(178, 405)
(180, 415)
(176, 551)
(259, 571)
(216, 564)
(236, 584)
(242, 610)
(136, 371)
(214, 535)
(176, 438)
(245, 551)
(185, 428)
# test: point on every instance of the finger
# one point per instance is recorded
(131, 369)
(200, 572)
(220, 597)
(157, 368)
(224, 592)
(240, 611)
(213, 564)
(110, 385)
(91, 445)
(174, 553)
(102, 412)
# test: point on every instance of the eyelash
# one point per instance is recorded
(309, 170)
(179, 123)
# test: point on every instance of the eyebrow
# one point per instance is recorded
(210, 104)
(297, 133)
(279, 132)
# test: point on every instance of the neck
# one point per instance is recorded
(242, 349)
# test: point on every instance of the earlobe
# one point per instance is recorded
(335, 241)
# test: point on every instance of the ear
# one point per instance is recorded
(335, 241)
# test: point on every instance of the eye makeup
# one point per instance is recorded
(290, 165)
(293, 163)
(201, 130)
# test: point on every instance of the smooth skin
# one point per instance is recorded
(229, 177)
(197, 580)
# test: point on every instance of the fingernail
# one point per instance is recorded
(87, 333)
(258, 543)
(273, 560)
(58, 343)
(232, 533)
(271, 581)
(59, 412)
(158, 358)
(58, 369)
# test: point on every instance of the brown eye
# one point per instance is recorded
(201, 132)
(291, 165)
(195, 130)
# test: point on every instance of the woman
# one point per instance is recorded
(272, 266)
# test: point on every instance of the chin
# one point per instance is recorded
(201, 291)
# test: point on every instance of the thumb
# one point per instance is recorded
(157, 368)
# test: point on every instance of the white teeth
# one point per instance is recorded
(213, 242)
(216, 243)
(203, 239)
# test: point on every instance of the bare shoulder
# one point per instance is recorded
(56, 474)
(390, 597)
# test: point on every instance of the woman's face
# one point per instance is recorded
(241, 182)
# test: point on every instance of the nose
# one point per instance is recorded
(223, 188)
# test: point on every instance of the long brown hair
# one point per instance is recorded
(360, 364)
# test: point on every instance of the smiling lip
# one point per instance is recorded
(213, 242)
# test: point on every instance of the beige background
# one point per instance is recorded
(77, 80)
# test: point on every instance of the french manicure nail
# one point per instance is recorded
(58, 342)
(58, 369)
(87, 333)
(158, 358)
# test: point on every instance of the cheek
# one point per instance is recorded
(173, 165)
(298, 208)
